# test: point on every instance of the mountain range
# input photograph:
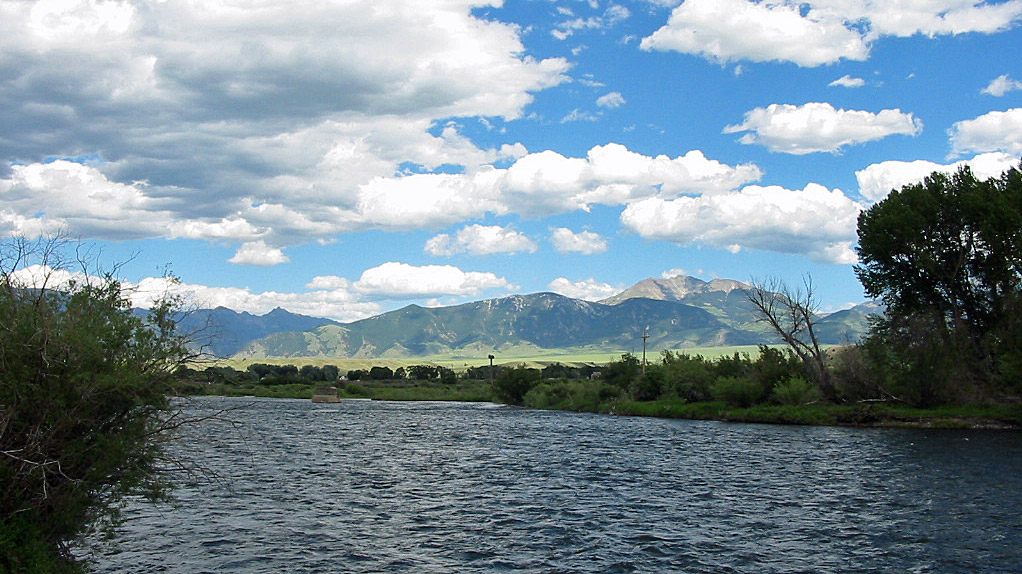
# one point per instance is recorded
(674, 313)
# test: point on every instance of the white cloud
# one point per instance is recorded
(1002, 85)
(64, 194)
(903, 18)
(328, 282)
(818, 32)
(993, 131)
(427, 200)
(819, 127)
(547, 182)
(587, 289)
(37, 198)
(847, 81)
(613, 15)
(400, 280)
(291, 104)
(815, 221)
(877, 180)
(611, 100)
(584, 242)
(579, 115)
(726, 30)
(481, 240)
(260, 254)
(339, 303)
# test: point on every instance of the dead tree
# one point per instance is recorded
(792, 315)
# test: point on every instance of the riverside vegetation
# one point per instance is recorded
(84, 382)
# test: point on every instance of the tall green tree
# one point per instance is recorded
(945, 256)
(84, 408)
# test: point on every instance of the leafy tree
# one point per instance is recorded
(331, 373)
(511, 385)
(84, 411)
(381, 373)
(422, 372)
(686, 376)
(311, 373)
(945, 256)
(624, 372)
(447, 376)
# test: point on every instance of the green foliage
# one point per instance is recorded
(685, 376)
(512, 384)
(622, 373)
(579, 395)
(795, 391)
(25, 550)
(83, 401)
(737, 391)
(381, 373)
(945, 256)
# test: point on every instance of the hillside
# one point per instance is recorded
(681, 312)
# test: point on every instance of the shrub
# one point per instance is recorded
(83, 402)
(795, 391)
(737, 391)
(512, 384)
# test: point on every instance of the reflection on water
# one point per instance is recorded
(448, 487)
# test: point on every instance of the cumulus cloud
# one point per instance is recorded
(819, 127)
(401, 280)
(611, 100)
(259, 253)
(815, 221)
(818, 32)
(339, 303)
(584, 242)
(904, 18)
(726, 30)
(63, 194)
(587, 289)
(877, 180)
(328, 296)
(993, 131)
(847, 81)
(294, 104)
(1002, 85)
(481, 240)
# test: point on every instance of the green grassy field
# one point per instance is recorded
(530, 357)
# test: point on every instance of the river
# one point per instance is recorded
(366, 486)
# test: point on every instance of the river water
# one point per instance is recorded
(365, 486)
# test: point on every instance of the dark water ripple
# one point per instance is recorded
(446, 487)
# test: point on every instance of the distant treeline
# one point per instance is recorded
(266, 374)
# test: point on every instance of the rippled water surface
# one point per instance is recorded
(450, 487)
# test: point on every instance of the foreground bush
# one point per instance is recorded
(83, 406)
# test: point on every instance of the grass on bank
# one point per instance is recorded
(584, 397)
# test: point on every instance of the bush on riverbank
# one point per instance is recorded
(84, 412)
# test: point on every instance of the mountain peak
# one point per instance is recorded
(673, 288)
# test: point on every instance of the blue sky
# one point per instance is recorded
(343, 159)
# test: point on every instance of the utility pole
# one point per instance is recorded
(645, 335)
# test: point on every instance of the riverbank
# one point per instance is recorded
(1000, 417)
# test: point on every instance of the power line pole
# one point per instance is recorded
(645, 335)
